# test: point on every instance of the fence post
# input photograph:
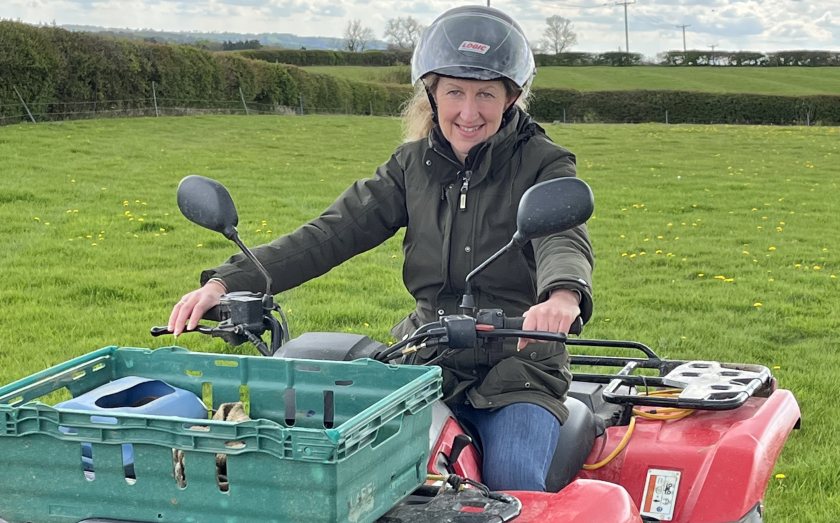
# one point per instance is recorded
(242, 97)
(666, 116)
(300, 98)
(564, 115)
(24, 104)
(371, 107)
(154, 99)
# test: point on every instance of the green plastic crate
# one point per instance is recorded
(328, 441)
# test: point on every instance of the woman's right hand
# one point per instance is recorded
(192, 306)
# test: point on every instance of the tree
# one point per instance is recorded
(403, 33)
(558, 35)
(356, 37)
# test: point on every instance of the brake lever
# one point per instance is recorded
(161, 331)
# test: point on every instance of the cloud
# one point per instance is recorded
(759, 25)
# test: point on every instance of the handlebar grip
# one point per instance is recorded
(214, 313)
(517, 321)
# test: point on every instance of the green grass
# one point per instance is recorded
(712, 242)
(791, 81)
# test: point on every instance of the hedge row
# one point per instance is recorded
(51, 68)
(306, 57)
(684, 107)
(750, 58)
(613, 58)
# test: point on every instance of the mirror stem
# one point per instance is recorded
(255, 261)
(467, 305)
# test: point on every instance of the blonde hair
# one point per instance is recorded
(417, 111)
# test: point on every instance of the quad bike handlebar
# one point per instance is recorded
(547, 208)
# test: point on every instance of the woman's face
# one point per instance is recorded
(470, 111)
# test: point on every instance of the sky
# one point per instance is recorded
(653, 26)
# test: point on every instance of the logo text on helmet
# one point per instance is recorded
(474, 47)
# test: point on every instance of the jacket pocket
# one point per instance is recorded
(515, 374)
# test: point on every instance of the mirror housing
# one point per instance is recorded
(552, 206)
(207, 203)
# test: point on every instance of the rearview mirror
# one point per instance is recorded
(552, 206)
(207, 203)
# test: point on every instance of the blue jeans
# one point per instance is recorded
(517, 443)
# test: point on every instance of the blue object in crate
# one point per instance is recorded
(134, 395)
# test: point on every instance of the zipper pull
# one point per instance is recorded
(462, 205)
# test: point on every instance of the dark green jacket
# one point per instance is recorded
(455, 216)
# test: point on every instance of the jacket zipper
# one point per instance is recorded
(465, 186)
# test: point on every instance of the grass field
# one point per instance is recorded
(764, 80)
(712, 242)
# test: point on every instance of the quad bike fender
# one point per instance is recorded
(581, 501)
(724, 458)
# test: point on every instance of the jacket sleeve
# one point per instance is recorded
(368, 212)
(564, 260)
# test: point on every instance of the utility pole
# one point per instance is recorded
(683, 30)
(626, 32)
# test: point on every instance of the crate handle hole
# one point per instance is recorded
(343, 383)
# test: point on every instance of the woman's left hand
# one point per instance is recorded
(555, 314)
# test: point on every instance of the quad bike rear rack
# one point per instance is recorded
(704, 385)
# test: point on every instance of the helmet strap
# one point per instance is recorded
(433, 104)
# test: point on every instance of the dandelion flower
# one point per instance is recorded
(780, 476)
(758, 304)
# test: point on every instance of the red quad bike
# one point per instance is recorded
(647, 439)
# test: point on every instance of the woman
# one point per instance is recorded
(455, 185)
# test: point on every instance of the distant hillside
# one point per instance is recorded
(284, 40)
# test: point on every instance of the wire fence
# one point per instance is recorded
(22, 111)
(13, 113)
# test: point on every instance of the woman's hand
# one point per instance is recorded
(555, 314)
(193, 305)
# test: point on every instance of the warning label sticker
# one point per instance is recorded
(660, 494)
